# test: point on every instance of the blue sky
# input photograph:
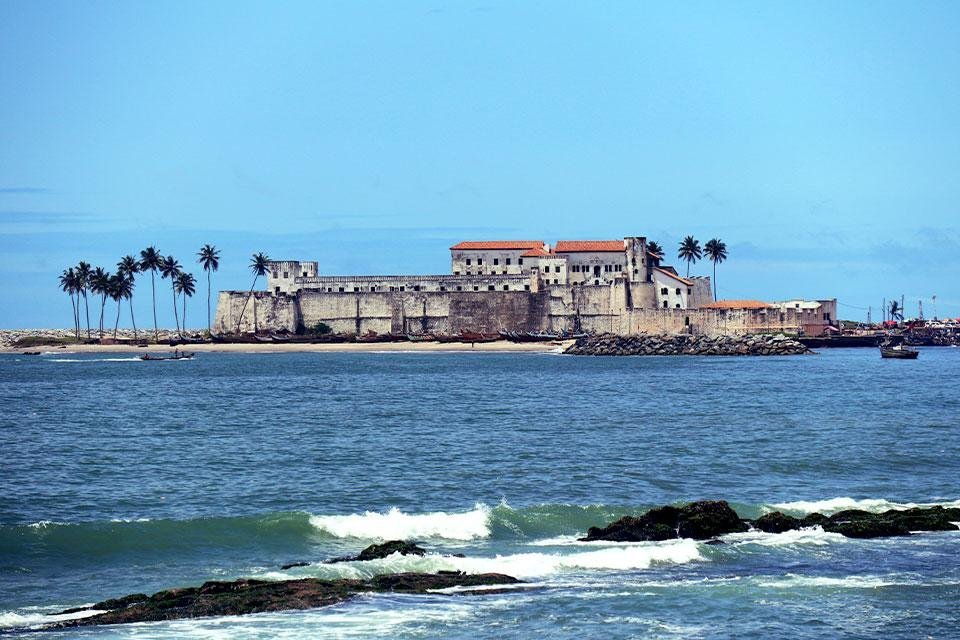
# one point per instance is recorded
(820, 141)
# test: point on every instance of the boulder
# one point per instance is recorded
(698, 520)
(377, 551)
(777, 522)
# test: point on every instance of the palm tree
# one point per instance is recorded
(127, 268)
(185, 284)
(150, 260)
(100, 283)
(69, 284)
(896, 313)
(209, 258)
(121, 287)
(655, 249)
(259, 264)
(689, 251)
(716, 250)
(83, 276)
(170, 268)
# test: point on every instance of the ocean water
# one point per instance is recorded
(120, 476)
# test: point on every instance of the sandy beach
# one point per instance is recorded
(501, 346)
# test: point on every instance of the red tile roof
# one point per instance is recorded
(689, 283)
(589, 246)
(736, 304)
(539, 252)
(499, 244)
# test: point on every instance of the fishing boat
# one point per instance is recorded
(420, 337)
(900, 351)
(177, 355)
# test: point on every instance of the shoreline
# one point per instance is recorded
(500, 346)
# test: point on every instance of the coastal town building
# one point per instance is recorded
(515, 285)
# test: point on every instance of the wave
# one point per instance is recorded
(36, 616)
(521, 565)
(397, 525)
(833, 505)
(541, 526)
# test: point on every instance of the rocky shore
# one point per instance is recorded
(609, 344)
(11, 339)
(710, 518)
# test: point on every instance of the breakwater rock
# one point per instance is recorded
(608, 344)
(710, 518)
(240, 597)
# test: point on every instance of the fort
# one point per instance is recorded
(601, 286)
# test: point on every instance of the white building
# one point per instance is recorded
(492, 257)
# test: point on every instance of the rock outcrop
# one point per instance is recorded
(609, 344)
(254, 596)
(382, 550)
(697, 520)
(711, 518)
(855, 523)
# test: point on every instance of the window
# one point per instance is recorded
(416, 287)
(490, 287)
(340, 290)
(506, 287)
(664, 304)
(286, 274)
(276, 290)
(663, 291)
(636, 271)
(329, 289)
(596, 282)
(402, 288)
(373, 288)
(508, 261)
(355, 289)
(678, 290)
(393, 288)
(556, 281)
(678, 305)
(686, 321)
(459, 288)
(496, 261)
(520, 262)
(304, 274)
(689, 291)
(526, 287)
(456, 273)
(442, 288)
(468, 262)
(476, 288)
(479, 260)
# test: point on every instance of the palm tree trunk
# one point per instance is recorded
(103, 304)
(86, 306)
(184, 311)
(208, 302)
(74, 308)
(249, 295)
(176, 314)
(688, 268)
(714, 280)
(153, 291)
(132, 321)
(117, 323)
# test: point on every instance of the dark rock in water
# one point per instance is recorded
(866, 528)
(107, 605)
(402, 547)
(714, 542)
(776, 522)
(813, 519)
(697, 520)
(294, 564)
(253, 596)
(377, 551)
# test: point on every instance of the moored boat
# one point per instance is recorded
(177, 355)
(898, 352)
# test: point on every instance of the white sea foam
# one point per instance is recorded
(397, 525)
(36, 616)
(519, 565)
(813, 536)
(833, 505)
(791, 581)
